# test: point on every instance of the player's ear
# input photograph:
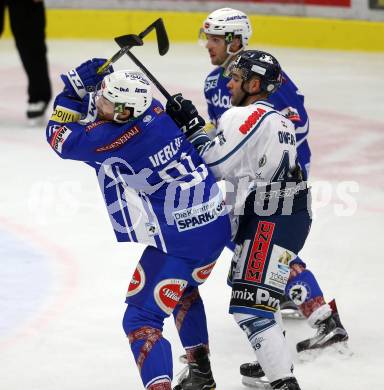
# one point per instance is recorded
(235, 45)
(254, 85)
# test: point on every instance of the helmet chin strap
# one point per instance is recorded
(119, 120)
(130, 117)
(231, 55)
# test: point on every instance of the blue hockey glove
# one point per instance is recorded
(84, 78)
(66, 109)
(69, 109)
(184, 114)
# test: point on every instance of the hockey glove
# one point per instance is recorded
(88, 108)
(66, 109)
(84, 78)
(184, 114)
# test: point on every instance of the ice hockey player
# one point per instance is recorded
(226, 33)
(157, 191)
(255, 151)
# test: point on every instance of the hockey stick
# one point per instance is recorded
(162, 42)
(124, 42)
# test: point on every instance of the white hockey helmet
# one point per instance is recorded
(127, 89)
(230, 23)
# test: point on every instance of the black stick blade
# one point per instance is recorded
(129, 40)
(162, 37)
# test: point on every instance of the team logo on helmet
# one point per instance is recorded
(266, 58)
(137, 282)
(168, 293)
(201, 274)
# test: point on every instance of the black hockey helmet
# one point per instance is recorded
(261, 64)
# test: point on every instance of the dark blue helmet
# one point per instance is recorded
(261, 64)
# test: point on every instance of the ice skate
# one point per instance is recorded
(198, 375)
(35, 113)
(329, 331)
(286, 384)
(253, 376)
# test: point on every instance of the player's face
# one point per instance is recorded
(217, 49)
(235, 87)
(106, 110)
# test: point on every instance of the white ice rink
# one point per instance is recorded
(63, 277)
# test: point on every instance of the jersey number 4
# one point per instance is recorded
(282, 170)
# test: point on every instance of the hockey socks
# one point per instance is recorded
(268, 341)
(304, 290)
(190, 319)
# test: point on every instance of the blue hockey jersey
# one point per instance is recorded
(287, 99)
(157, 189)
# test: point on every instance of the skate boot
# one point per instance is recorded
(254, 376)
(199, 376)
(286, 384)
(35, 113)
(36, 109)
(329, 331)
(289, 310)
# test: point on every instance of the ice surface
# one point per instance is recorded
(63, 277)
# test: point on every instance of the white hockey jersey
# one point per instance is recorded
(254, 146)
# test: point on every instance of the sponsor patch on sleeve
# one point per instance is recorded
(59, 137)
(291, 113)
(64, 115)
(251, 121)
(120, 141)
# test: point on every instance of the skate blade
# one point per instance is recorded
(37, 122)
(256, 383)
(339, 350)
(291, 314)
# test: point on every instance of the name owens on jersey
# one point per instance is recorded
(255, 146)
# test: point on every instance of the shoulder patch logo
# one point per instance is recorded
(158, 110)
(211, 82)
(291, 113)
(119, 142)
(251, 120)
(59, 137)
